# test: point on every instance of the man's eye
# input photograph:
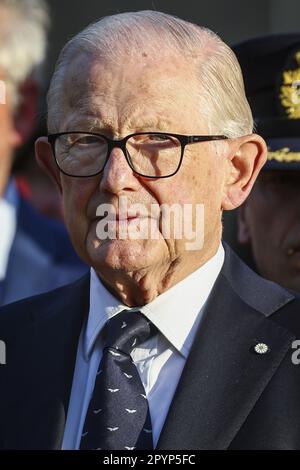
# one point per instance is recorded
(159, 138)
(87, 140)
(152, 138)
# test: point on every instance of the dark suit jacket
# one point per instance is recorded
(228, 397)
(41, 258)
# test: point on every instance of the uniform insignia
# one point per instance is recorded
(289, 88)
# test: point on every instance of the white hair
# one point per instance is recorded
(23, 40)
(222, 100)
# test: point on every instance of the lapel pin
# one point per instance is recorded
(261, 348)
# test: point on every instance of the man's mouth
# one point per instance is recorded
(122, 217)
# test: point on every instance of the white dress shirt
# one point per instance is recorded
(160, 360)
(8, 224)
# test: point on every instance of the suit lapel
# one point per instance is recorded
(45, 360)
(224, 377)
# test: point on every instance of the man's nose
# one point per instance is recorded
(117, 175)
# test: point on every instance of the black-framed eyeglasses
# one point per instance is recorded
(149, 154)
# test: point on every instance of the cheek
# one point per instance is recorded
(170, 192)
(190, 187)
(76, 196)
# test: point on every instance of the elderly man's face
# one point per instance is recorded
(140, 96)
(270, 222)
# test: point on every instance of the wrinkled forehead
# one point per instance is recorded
(100, 86)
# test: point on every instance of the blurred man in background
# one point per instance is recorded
(35, 254)
(269, 220)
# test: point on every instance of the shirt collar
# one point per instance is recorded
(176, 312)
(103, 306)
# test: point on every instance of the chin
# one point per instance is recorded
(123, 255)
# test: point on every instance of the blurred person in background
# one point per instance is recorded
(269, 220)
(35, 254)
(33, 184)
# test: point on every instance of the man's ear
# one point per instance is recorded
(25, 119)
(243, 231)
(45, 159)
(245, 158)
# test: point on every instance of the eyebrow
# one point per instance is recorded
(88, 124)
(99, 125)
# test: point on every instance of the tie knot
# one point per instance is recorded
(127, 329)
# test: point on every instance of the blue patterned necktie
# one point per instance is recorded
(118, 414)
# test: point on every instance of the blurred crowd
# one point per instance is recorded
(35, 252)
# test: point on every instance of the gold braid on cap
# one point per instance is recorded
(284, 155)
(289, 95)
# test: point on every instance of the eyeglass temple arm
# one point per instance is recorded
(193, 139)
